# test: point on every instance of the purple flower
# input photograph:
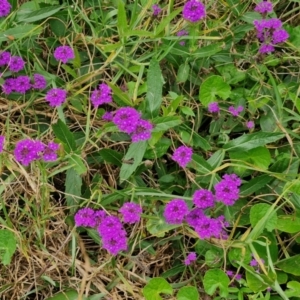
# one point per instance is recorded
(49, 154)
(99, 216)
(39, 82)
(253, 263)
(131, 212)
(85, 217)
(109, 225)
(2, 140)
(265, 48)
(56, 96)
(182, 33)
(264, 7)
(238, 276)
(279, 36)
(227, 190)
(142, 131)
(4, 57)
(64, 53)
(108, 116)
(8, 86)
(156, 10)
(183, 155)
(193, 11)
(4, 8)
(203, 199)
(229, 273)
(16, 64)
(194, 216)
(22, 84)
(250, 124)
(208, 227)
(126, 119)
(28, 150)
(235, 111)
(213, 107)
(115, 242)
(101, 95)
(190, 258)
(175, 211)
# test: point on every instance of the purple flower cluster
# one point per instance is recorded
(235, 111)
(254, 263)
(264, 7)
(56, 96)
(14, 63)
(4, 8)
(213, 107)
(131, 212)
(250, 124)
(183, 155)
(128, 120)
(26, 151)
(180, 34)
(236, 276)
(101, 95)
(2, 140)
(193, 11)
(270, 33)
(227, 191)
(108, 116)
(190, 258)
(64, 54)
(156, 10)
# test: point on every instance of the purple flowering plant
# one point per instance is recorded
(147, 145)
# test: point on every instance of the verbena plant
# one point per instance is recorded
(149, 149)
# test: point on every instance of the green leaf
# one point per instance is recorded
(237, 256)
(159, 149)
(214, 279)
(258, 211)
(158, 226)
(77, 163)
(112, 156)
(254, 185)
(213, 258)
(8, 246)
(166, 21)
(136, 153)
(213, 87)
(68, 295)
(290, 224)
(20, 32)
(40, 14)
(254, 283)
(187, 111)
(154, 92)
(122, 19)
(294, 289)
(252, 140)
(188, 293)
(73, 185)
(200, 164)
(63, 133)
(290, 265)
(183, 73)
(250, 16)
(165, 123)
(156, 286)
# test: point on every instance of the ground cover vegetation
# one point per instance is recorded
(149, 149)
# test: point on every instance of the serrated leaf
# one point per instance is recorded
(254, 185)
(159, 227)
(294, 289)
(165, 123)
(8, 246)
(63, 133)
(73, 185)
(155, 287)
(183, 73)
(200, 164)
(254, 283)
(154, 92)
(290, 265)
(258, 211)
(215, 279)
(290, 224)
(252, 140)
(77, 163)
(21, 31)
(136, 153)
(40, 14)
(188, 293)
(112, 156)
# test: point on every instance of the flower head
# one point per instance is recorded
(108, 116)
(235, 111)
(193, 11)
(183, 155)
(131, 212)
(209, 227)
(4, 8)
(190, 258)
(109, 225)
(250, 124)
(115, 242)
(39, 82)
(142, 131)
(213, 107)
(264, 7)
(175, 211)
(85, 217)
(203, 199)
(99, 216)
(9, 86)
(64, 53)
(22, 84)
(4, 57)
(101, 95)
(56, 96)
(2, 140)
(16, 64)
(156, 10)
(49, 153)
(193, 217)
(126, 119)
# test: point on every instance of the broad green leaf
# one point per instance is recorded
(212, 88)
(112, 156)
(200, 164)
(250, 16)
(252, 140)
(183, 73)
(254, 283)
(166, 21)
(290, 265)
(73, 185)
(125, 100)
(155, 287)
(77, 163)
(187, 111)
(136, 153)
(63, 133)
(188, 293)
(294, 32)
(8, 246)
(159, 149)
(154, 84)
(20, 32)
(258, 211)
(40, 14)
(216, 279)
(290, 224)
(254, 185)
(213, 258)
(238, 255)
(165, 123)
(240, 210)
(122, 19)
(158, 226)
(68, 295)
(294, 289)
